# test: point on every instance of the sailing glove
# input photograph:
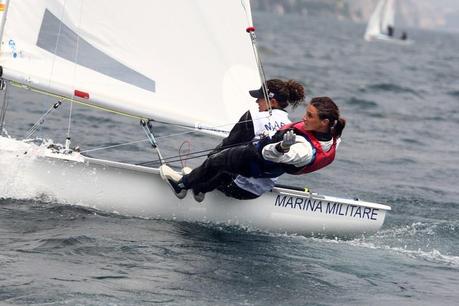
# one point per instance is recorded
(287, 142)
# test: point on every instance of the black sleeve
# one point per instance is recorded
(242, 132)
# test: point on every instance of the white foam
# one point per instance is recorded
(409, 237)
(400, 235)
(433, 255)
(15, 156)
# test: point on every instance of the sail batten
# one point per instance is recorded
(136, 58)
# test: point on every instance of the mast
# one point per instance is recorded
(3, 12)
(3, 91)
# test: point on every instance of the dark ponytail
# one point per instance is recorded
(296, 92)
(338, 128)
(286, 93)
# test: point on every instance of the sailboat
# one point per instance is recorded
(181, 62)
(382, 23)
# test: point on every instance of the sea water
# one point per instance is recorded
(400, 147)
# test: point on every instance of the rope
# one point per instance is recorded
(187, 152)
(179, 158)
(146, 139)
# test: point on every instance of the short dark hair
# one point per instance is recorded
(328, 109)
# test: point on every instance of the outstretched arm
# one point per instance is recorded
(299, 154)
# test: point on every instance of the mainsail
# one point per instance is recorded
(382, 17)
(180, 61)
(388, 16)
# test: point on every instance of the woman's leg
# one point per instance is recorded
(212, 183)
(234, 160)
(231, 189)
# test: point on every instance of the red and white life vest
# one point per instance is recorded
(321, 159)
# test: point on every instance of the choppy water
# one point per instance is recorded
(400, 147)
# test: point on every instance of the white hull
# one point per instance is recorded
(386, 38)
(139, 191)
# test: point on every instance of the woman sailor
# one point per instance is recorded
(250, 127)
(297, 148)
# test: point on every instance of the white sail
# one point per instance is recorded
(171, 60)
(388, 16)
(3, 6)
(382, 17)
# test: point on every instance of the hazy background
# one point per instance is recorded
(425, 14)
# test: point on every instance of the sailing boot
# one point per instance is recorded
(173, 179)
(199, 196)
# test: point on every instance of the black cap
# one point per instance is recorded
(260, 93)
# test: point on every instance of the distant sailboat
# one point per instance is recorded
(130, 59)
(381, 24)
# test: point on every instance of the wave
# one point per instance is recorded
(362, 103)
(424, 241)
(434, 256)
(429, 241)
(400, 161)
(390, 87)
(65, 242)
(453, 93)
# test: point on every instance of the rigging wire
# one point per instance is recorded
(41, 120)
(75, 60)
(58, 38)
(4, 90)
(56, 46)
(70, 120)
(148, 128)
(115, 146)
(157, 137)
(196, 154)
(251, 30)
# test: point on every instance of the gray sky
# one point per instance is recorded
(426, 14)
(431, 14)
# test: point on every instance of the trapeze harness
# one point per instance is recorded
(266, 168)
